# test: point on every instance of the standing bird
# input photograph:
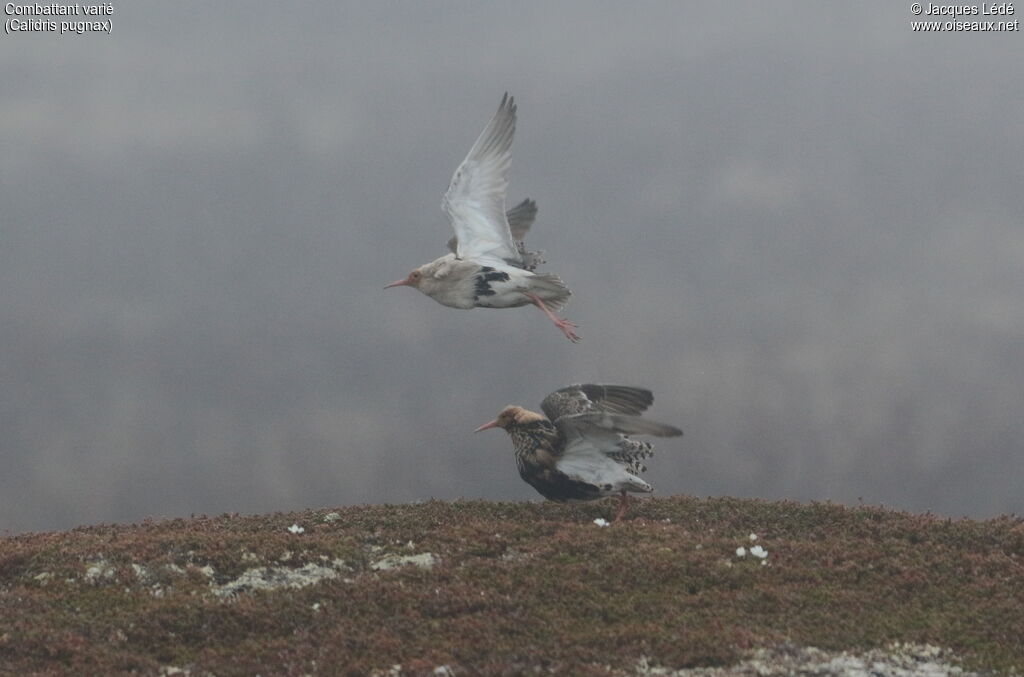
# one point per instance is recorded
(582, 451)
(489, 267)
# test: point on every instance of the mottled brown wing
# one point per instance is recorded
(592, 398)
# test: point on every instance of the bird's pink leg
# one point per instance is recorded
(563, 324)
(623, 504)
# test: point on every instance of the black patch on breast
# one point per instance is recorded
(483, 281)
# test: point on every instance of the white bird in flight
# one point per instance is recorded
(489, 267)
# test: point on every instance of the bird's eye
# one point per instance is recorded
(415, 275)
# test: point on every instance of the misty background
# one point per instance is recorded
(798, 223)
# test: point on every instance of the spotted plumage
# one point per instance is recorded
(485, 277)
(488, 265)
(536, 444)
(581, 448)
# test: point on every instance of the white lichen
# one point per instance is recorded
(98, 571)
(896, 660)
(171, 670)
(272, 578)
(424, 559)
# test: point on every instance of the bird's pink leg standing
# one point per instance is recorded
(564, 325)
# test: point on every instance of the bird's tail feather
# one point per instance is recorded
(550, 289)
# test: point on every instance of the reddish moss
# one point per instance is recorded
(515, 587)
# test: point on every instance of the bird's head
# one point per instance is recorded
(412, 280)
(510, 417)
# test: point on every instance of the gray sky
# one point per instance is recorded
(798, 223)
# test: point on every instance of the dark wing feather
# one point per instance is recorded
(520, 218)
(591, 398)
(623, 424)
(595, 422)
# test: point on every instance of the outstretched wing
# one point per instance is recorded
(598, 451)
(584, 464)
(601, 425)
(589, 397)
(519, 218)
(475, 200)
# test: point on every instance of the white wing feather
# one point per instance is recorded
(475, 200)
(584, 461)
(594, 438)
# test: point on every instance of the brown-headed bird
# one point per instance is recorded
(489, 267)
(582, 449)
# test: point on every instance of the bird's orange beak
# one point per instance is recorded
(487, 426)
(397, 283)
